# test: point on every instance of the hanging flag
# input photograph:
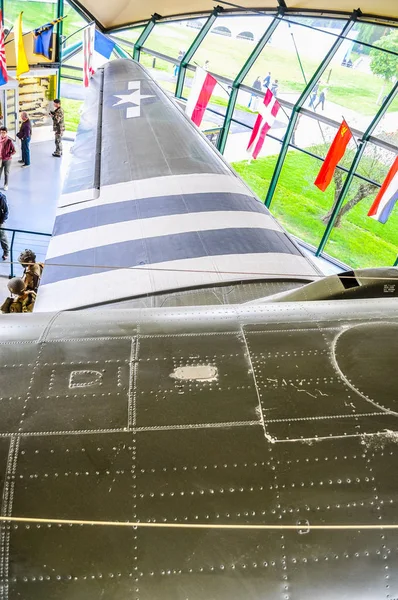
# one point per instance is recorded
(335, 154)
(20, 55)
(103, 48)
(201, 91)
(43, 39)
(387, 196)
(3, 64)
(265, 119)
(88, 53)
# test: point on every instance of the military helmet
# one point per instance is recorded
(27, 256)
(16, 285)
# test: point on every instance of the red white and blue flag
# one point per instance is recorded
(201, 91)
(3, 65)
(265, 119)
(387, 196)
(97, 50)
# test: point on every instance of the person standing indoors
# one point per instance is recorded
(24, 134)
(57, 116)
(3, 219)
(7, 149)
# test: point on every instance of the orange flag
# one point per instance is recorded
(335, 154)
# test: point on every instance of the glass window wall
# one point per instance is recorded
(357, 239)
(35, 13)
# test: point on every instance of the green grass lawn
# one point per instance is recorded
(72, 113)
(227, 55)
(299, 206)
(39, 13)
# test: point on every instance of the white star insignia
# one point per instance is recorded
(134, 97)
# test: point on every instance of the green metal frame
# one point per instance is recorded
(60, 13)
(222, 140)
(396, 262)
(121, 53)
(186, 59)
(357, 158)
(301, 101)
(144, 35)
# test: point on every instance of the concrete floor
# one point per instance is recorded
(32, 199)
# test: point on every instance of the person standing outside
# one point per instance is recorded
(24, 134)
(267, 80)
(274, 88)
(179, 58)
(321, 99)
(254, 98)
(3, 219)
(7, 149)
(58, 118)
(313, 96)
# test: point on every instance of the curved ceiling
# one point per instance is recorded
(118, 13)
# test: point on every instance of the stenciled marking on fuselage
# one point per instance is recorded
(134, 98)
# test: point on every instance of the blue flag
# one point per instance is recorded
(103, 47)
(43, 42)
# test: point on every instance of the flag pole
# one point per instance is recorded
(28, 32)
(75, 32)
(352, 133)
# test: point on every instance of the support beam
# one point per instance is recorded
(120, 52)
(222, 140)
(301, 101)
(186, 59)
(144, 36)
(357, 158)
(60, 14)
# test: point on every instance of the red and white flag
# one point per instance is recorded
(265, 119)
(88, 53)
(201, 91)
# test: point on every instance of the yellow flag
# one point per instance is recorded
(20, 55)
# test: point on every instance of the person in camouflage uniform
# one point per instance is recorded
(24, 301)
(57, 116)
(32, 269)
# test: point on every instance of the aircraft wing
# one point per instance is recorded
(222, 453)
(149, 206)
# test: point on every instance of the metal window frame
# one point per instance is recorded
(357, 158)
(144, 35)
(300, 103)
(189, 54)
(222, 140)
